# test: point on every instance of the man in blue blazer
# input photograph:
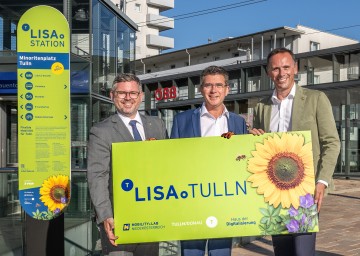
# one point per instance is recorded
(211, 119)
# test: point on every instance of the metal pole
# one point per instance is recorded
(44, 237)
(188, 54)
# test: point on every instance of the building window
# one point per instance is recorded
(316, 79)
(216, 58)
(314, 46)
(172, 66)
(236, 54)
(138, 7)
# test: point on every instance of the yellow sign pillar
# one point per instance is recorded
(44, 112)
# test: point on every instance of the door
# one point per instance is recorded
(8, 132)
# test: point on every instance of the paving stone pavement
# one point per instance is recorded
(339, 225)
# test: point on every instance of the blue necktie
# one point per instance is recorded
(136, 133)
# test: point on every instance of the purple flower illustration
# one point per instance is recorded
(295, 220)
(306, 201)
(293, 226)
(303, 219)
(56, 211)
(63, 200)
(293, 212)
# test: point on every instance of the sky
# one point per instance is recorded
(242, 17)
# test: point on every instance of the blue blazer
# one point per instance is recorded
(187, 124)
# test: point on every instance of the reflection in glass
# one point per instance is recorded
(79, 131)
(11, 136)
(123, 41)
(10, 214)
(234, 82)
(104, 52)
(253, 79)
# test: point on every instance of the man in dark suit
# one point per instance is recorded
(124, 126)
(293, 108)
(211, 119)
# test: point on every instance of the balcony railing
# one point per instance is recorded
(161, 42)
(162, 22)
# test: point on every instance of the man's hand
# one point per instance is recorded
(227, 135)
(255, 131)
(319, 194)
(109, 227)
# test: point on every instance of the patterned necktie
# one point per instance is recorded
(136, 133)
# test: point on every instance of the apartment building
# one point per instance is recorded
(244, 48)
(147, 14)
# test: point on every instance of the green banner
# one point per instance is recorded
(43, 48)
(213, 187)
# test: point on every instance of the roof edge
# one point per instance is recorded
(120, 13)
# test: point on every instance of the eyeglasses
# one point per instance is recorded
(122, 94)
(218, 86)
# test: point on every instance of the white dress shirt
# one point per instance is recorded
(139, 124)
(211, 126)
(281, 112)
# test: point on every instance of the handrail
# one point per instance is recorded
(8, 169)
(81, 50)
(77, 245)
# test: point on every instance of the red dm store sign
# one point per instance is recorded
(166, 93)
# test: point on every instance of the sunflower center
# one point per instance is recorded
(286, 170)
(57, 192)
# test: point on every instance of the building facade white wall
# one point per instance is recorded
(297, 39)
(326, 40)
(139, 11)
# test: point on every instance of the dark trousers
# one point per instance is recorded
(143, 249)
(216, 247)
(294, 244)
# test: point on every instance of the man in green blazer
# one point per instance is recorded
(294, 108)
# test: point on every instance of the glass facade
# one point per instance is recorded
(102, 45)
(10, 214)
(113, 51)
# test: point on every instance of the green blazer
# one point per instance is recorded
(311, 111)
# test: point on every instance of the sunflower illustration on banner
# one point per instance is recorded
(54, 197)
(283, 172)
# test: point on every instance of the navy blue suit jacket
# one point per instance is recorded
(187, 124)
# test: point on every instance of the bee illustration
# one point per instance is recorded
(57, 68)
(37, 205)
(240, 157)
